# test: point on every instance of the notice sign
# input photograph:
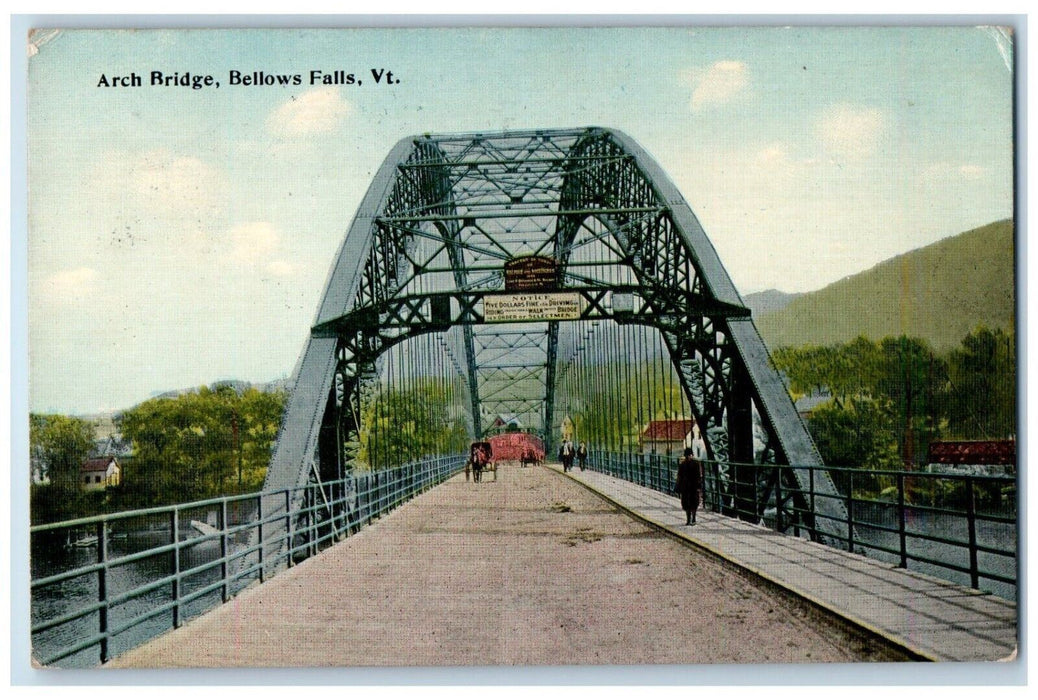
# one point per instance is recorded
(561, 306)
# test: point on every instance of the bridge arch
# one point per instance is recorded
(428, 246)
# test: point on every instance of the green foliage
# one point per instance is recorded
(940, 293)
(61, 443)
(891, 398)
(608, 415)
(407, 424)
(200, 445)
(982, 391)
(857, 434)
(909, 384)
(844, 370)
(882, 396)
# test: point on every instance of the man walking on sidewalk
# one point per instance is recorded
(690, 478)
(566, 454)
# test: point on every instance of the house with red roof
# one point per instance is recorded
(98, 473)
(671, 437)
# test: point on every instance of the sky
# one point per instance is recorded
(179, 236)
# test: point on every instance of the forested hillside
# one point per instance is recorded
(939, 293)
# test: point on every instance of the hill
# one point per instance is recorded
(940, 293)
(767, 301)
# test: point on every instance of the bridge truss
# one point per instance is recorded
(407, 303)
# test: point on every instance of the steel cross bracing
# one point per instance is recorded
(428, 244)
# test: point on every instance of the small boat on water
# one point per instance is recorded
(204, 528)
(85, 541)
(86, 538)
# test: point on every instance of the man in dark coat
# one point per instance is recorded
(479, 461)
(566, 454)
(690, 479)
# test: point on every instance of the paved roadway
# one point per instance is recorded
(533, 569)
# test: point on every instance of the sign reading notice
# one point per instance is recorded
(562, 306)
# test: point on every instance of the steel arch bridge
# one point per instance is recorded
(426, 257)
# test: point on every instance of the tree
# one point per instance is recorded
(192, 447)
(607, 414)
(260, 420)
(982, 392)
(404, 425)
(843, 369)
(857, 434)
(60, 444)
(910, 383)
(893, 388)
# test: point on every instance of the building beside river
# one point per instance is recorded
(99, 473)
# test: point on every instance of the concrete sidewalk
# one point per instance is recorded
(935, 619)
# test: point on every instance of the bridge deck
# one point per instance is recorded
(532, 569)
(935, 619)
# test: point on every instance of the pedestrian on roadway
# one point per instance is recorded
(689, 481)
(566, 454)
(479, 458)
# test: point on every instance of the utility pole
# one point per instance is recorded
(237, 445)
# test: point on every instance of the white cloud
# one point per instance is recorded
(315, 112)
(775, 159)
(718, 84)
(780, 217)
(71, 285)
(849, 132)
(135, 198)
(773, 154)
(173, 182)
(253, 242)
(280, 268)
(257, 244)
(944, 171)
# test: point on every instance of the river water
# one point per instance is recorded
(921, 524)
(51, 557)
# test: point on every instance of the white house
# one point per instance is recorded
(671, 437)
(99, 473)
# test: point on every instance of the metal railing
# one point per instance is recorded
(111, 582)
(960, 527)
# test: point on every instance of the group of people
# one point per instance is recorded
(688, 485)
(567, 454)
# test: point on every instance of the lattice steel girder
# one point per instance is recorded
(513, 213)
(442, 215)
(421, 310)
